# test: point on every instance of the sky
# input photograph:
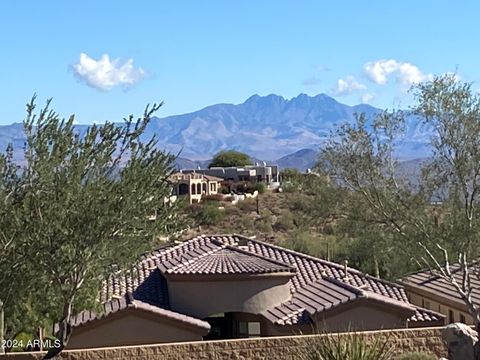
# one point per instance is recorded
(104, 60)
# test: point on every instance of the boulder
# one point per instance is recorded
(461, 340)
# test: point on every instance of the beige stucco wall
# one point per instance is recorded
(131, 327)
(252, 295)
(365, 317)
(439, 305)
(355, 318)
(278, 348)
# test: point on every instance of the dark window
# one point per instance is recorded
(462, 319)
(248, 329)
(204, 188)
(182, 189)
(193, 189)
(451, 318)
(199, 188)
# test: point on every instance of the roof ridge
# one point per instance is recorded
(249, 253)
(145, 256)
(339, 266)
(196, 258)
(311, 257)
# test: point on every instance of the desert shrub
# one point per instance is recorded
(284, 222)
(208, 214)
(264, 223)
(245, 222)
(247, 205)
(224, 190)
(212, 197)
(289, 187)
(260, 187)
(416, 356)
(351, 347)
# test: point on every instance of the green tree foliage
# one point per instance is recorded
(84, 208)
(362, 159)
(208, 213)
(230, 158)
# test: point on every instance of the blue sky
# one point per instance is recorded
(192, 54)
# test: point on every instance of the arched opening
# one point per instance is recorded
(199, 188)
(193, 189)
(204, 185)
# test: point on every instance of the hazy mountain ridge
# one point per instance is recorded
(270, 127)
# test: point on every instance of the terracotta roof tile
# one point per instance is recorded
(128, 302)
(237, 254)
(433, 283)
(230, 260)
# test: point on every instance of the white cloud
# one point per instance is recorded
(407, 74)
(347, 86)
(104, 74)
(366, 98)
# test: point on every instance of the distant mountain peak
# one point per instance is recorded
(266, 127)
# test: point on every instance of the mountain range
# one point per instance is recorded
(270, 128)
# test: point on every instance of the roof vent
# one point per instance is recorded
(242, 242)
(345, 270)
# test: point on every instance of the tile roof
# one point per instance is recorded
(325, 294)
(223, 254)
(433, 283)
(230, 260)
(128, 302)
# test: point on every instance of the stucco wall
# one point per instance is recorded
(437, 304)
(203, 298)
(279, 348)
(355, 318)
(131, 327)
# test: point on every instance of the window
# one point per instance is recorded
(193, 189)
(248, 329)
(462, 319)
(451, 318)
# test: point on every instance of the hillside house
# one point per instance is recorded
(427, 289)
(231, 286)
(267, 174)
(194, 185)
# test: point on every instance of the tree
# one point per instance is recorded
(362, 159)
(226, 158)
(86, 207)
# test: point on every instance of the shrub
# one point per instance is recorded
(245, 222)
(247, 205)
(212, 197)
(208, 214)
(224, 190)
(284, 222)
(260, 187)
(347, 346)
(264, 223)
(416, 356)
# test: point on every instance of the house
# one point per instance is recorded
(231, 286)
(194, 185)
(267, 174)
(427, 289)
